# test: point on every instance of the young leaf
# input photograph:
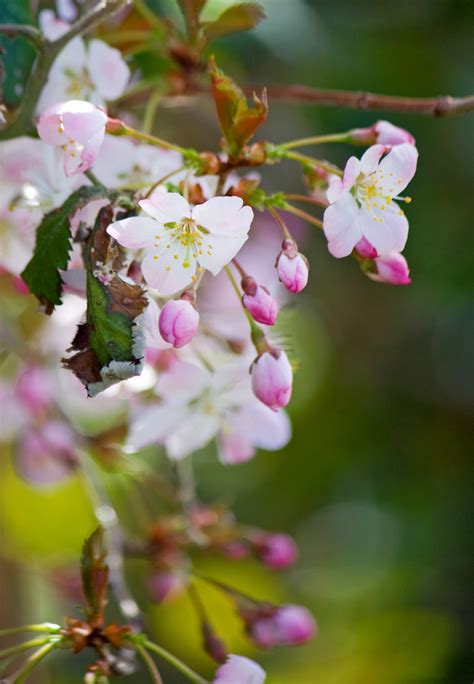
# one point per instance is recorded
(94, 574)
(191, 10)
(238, 121)
(53, 244)
(110, 345)
(241, 17)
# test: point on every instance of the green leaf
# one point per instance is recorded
(110, 345)
(53, 244)
(241, 17)
(17, 54)
(94, 574)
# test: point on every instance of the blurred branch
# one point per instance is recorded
(47, 53)
(443, 105)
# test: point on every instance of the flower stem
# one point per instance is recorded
(162, 180)
(24, 646)
(20, 675)
(286, 233)
(150, 139)
(150, 664)
(312, 161)
(150, 110)
(41, 627)
(304, 215)
(170, 658)
(256, 333)
(305, 198)
(316, 140)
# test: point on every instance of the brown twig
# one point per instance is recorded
(443, 105)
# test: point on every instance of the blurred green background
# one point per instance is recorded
(377, 483)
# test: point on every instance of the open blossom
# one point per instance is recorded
(78, 129)
(91, 71)
(239, 670)
(272, 379)
(198, 406)
(362, 202)
(179, 240)
(178, 322)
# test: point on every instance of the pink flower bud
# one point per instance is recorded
(392, 269)
(178, 322)
(239, 670)
(292, 268)
(166, 585)
(35, 389)
(76, 127)
(272, 379)
(382, 133)
(46, 454)
(259, 302)
(276, 550)
(288, 626)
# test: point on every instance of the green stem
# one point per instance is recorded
(304, 198)
(173, 660)
(150, 111)
(316, 140)
(150, 139)
(93, 178)
(41, 627)
(162, 180)
(304, 215)
(286, 233)
(20, 675)
(150, 664)
(312, 161)
(25, 646)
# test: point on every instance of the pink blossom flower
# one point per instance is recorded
(179, 240)
(259, 302)
(91, 71)
(292, 267)
(178, 322)
(239, 670)
(382, 133)
(35, 389)
(276, 550)
(78, 128)
(272, 379)
(288, 626)
(361, 203)
(46, 454)
(197, 406)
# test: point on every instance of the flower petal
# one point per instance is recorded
(166, 207)
(166, 274)
(341, 226)
(397, 169)
(196, 430)
(135, 232)
(107, 69)
(386, 230)
(224, 216)
(351, 172)
(370, 159)
(152, 425)
(219, 250)
(183, 382)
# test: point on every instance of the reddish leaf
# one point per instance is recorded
(241, 17)
(94, 573)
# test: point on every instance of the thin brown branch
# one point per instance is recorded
(443, 105)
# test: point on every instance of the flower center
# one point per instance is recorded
(187, 240)
(80, 83)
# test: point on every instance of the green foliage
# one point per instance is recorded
(239, 17)
(53, 244)
(17, 55)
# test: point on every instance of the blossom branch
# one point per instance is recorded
(47, 53)
(443, 105)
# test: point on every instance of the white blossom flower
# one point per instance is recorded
(179, 240)
(198, 405)
(362, 202)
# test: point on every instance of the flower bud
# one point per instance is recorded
(288, 626)
(276, 550)
(239, 670)
(259, 302)
(366, 249)
(392, 269)
(272, 379)
(292, 267)
(166, 585)
(382, 133)
(178, 322)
